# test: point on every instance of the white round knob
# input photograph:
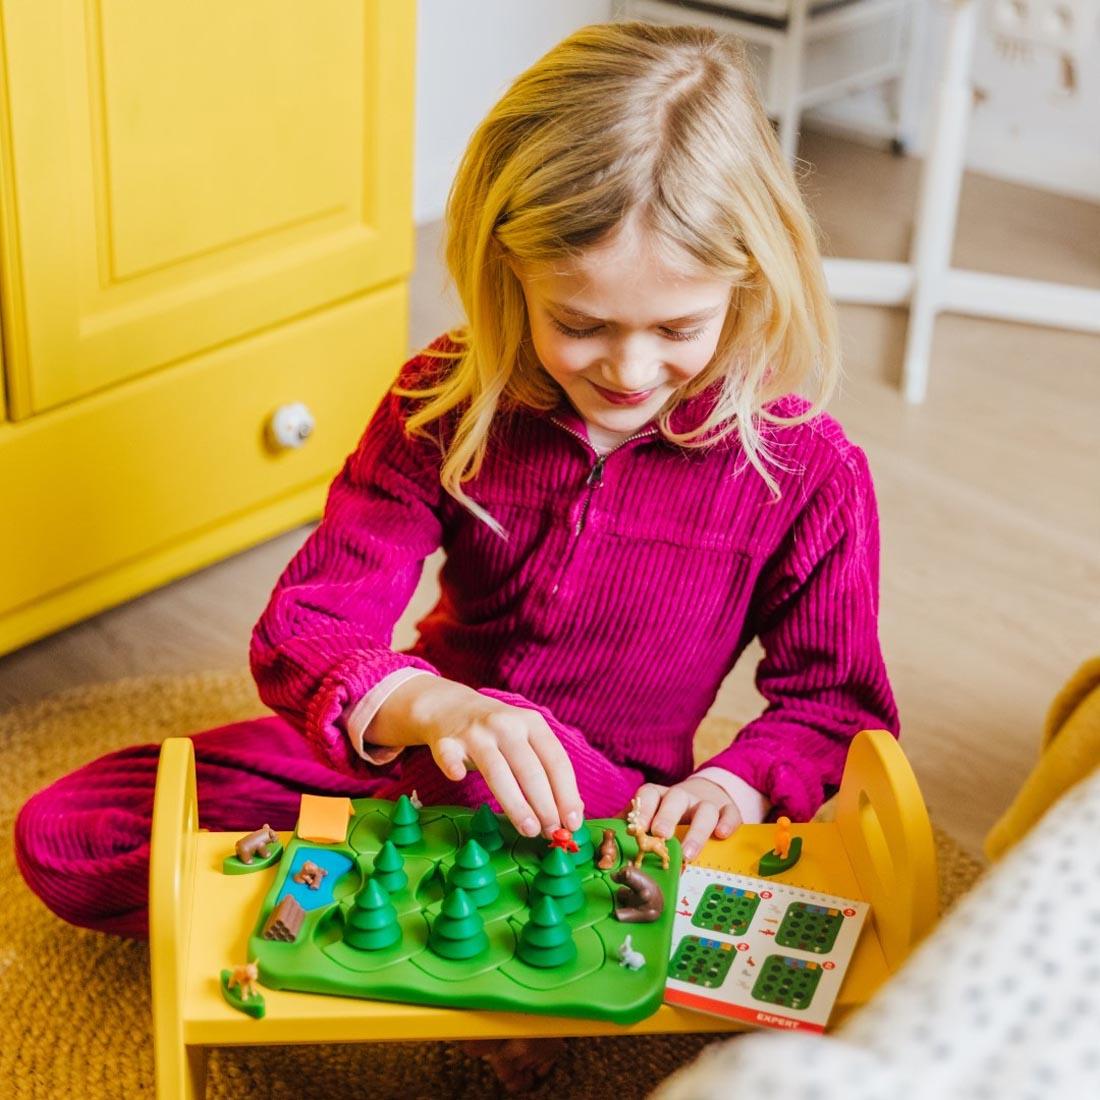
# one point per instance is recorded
(290, 425)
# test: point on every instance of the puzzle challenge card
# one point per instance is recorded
(759, 950)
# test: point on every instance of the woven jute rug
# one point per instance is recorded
(74, 1005)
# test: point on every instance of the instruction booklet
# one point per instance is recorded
(758, 950)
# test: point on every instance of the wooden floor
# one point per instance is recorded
(989, 495)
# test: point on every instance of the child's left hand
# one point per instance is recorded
(709, 809)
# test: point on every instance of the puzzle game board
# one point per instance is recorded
(769, 953)
(379, 924)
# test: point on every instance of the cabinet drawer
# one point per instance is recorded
(152, 464)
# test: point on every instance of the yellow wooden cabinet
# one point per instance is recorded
(205, 216)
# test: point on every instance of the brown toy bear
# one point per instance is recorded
(258, 843)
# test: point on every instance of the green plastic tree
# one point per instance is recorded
(485, 829)
(558, 879)
(372, 922)
(389, 868)
(546, 939)
(458, 932)
(473, 873)
(405, 823)
(583, 840)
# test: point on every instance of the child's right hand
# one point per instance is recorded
(515, 750)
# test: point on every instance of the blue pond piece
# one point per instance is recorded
(336, 863)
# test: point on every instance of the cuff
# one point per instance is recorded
(751, 804)
(357, 718)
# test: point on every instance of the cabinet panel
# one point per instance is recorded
(186, 174)
(142, 470)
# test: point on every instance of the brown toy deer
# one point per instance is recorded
(245, 978)
(257, 843)
(646, 843)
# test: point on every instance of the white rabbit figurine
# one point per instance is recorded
(629, 957)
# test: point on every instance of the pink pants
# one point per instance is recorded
(82, 844)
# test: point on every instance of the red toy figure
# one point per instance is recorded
(563, 839)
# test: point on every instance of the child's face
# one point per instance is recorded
(619, 330)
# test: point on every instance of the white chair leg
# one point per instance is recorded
(793, 50)
(938, 201)
(907, 109)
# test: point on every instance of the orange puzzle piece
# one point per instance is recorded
(323, 818)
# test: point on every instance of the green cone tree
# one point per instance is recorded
(389, 869)
(585, 852)
(473, 873)
(458, 932)
(372, 922)
(546, 939)
(558, 879)
(485, 829)
(405, 823)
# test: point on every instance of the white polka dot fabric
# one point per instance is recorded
(1001, 1002)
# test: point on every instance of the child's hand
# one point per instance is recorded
(709, 809)
(516, 752)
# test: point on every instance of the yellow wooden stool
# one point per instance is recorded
(879, 849)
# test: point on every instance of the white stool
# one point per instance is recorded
(806, 52)
(928, 284)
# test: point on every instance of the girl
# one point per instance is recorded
(627, 492)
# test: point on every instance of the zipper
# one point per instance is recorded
(594, 478)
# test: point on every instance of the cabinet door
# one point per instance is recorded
(180, 175)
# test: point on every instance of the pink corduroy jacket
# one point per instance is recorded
(628, 586)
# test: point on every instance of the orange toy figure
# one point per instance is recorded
(245, 978)
(563, 839)
(786, 852)
(782, 837)
(646, 843)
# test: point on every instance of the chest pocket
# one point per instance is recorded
(647, 594)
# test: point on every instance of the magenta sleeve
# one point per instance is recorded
(323, 640)
(822, 674)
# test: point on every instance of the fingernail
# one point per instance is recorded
(573, 821)
(689, 851)
(530, 827)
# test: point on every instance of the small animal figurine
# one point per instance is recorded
(782, 837)
(786, 852)
(257, 843)
(640, 900)
(416, 803)
(245, 978)
(628, 957)
(646, 843)
(609, 851)
(563, 839)
(309, 874)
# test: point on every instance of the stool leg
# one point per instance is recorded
(790, 108)
(938, 202)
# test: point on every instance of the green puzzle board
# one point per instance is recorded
(786, 981)
(593, 986)
(726, 909)
(702, 961)
(809, 927)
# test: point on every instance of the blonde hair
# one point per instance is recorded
(621, 119)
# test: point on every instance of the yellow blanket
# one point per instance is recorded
(1070, 750)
